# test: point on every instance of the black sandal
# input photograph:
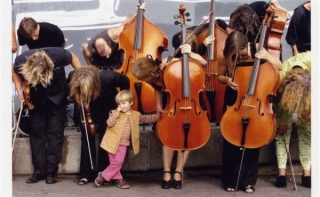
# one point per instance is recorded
(83, 181)
(166, 184)
(249, 189)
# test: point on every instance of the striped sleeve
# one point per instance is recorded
(149, 118)
(112, 119)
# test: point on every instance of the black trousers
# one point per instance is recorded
(100, 160)
(46, 136)
(231, 157)
(231, 160)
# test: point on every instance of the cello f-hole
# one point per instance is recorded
(240, 103)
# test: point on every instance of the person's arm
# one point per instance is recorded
(113, 117)
(158, 95)
(18, 85)
(114, 33)
(59, 37)
(291, 36)
(186, 48)
(14, 40)
(86, 54)
(264, 54)
(203, 47)
(75, 62)
(149, 118)
(221, 72)
(123, 82)
(294, 50)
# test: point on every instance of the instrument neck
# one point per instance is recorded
(185, 68)
(138, 30)
(210, 49)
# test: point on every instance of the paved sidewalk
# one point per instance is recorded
(147, 184)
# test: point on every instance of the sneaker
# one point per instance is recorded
(121, 184)
(99, 180)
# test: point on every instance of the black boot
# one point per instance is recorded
(35, 178)
(281, 181)
(306, 181)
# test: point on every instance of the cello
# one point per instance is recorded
(275, 31)
(139, 39)
(184, 124)
(214, 89)
(250, 114)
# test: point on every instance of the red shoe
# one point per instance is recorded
(121, 184)
(99, 180)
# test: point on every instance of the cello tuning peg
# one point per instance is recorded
(188, 19)
(187, 14)
(176, 22)
(175, 16)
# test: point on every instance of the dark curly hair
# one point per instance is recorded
(245, 20)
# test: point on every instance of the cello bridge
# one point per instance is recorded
(251, 106)
(185, 108)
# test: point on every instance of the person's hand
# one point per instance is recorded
(159, 110)
(21, 96)
(274, 1)
(209, 40)
(142, 6)
(185, 49)
(262, 54)
(118, 109)
(231, 84)
(282, 129)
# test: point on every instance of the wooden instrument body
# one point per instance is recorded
(139, 39)
(180, 110)
(261, 128)
(212, 85)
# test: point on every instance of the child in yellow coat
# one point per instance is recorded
(123, 129)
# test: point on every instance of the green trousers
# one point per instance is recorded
(304, 141)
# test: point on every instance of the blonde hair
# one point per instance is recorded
(295, 88)
(124, 95)
(85, 84)
(38, 69)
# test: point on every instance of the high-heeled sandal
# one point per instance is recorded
(166, 184)
(177, 184)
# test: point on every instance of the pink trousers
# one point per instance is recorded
(116, 161)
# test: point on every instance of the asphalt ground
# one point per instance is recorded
(202, 183)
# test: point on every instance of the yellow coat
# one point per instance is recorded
(111, 139)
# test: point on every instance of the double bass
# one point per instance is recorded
(249, 123)
(184, 124)
(139, 39)
(214, 89)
